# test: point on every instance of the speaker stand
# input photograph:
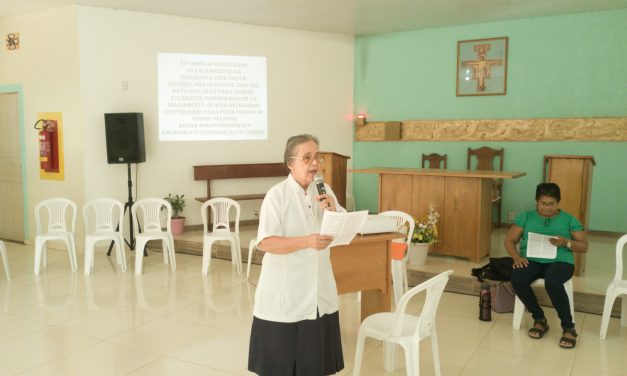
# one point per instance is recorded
(127, 208)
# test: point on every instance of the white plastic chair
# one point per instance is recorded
(399, 267)
(58, 229)
(519, 307)
(146, 215)
(405, 329)
(5, 260)
(221, 230)
(106, 213)
(617, 287)
(252, 245)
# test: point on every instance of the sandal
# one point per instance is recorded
(537, 333)
(567, 342)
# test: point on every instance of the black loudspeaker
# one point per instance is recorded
(125, 137)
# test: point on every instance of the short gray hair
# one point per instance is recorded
(293, 142)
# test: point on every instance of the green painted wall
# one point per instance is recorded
(562, 66)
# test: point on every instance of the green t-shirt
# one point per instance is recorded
(562, 224)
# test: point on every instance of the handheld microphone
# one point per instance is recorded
(319, 181)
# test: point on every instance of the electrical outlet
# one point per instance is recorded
(511, 215)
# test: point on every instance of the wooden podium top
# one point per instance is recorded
(571, 157)
(359, 238)
(438, 172)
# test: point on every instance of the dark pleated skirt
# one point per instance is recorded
(304, 348)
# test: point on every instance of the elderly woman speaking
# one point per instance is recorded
(296, 328)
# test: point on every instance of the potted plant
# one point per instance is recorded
(178, 203)
(425, 234)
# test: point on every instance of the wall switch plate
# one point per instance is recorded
(511, 215)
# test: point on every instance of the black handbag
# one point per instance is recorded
(498, 269)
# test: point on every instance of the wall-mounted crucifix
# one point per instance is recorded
(13, 41)
(482, 67)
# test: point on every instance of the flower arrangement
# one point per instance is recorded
(425, 230)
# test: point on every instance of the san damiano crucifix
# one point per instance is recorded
(481, 68)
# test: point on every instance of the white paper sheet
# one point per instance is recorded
(342, 226)
(539, 246)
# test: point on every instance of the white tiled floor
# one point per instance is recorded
(163, 323)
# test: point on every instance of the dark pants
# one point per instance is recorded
(554, 274)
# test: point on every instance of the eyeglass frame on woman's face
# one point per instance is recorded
(548, 204)
(309, 158)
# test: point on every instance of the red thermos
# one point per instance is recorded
(485, 303)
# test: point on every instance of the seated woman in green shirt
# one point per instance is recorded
(567, 233)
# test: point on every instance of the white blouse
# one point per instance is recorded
(293, 286)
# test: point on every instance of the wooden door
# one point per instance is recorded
(573, 174)
(395, 192)
(468, 217)
(459, 220)
(574, 177)
(11, 197)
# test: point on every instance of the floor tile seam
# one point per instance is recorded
(196, 322)
(23, 318)
(226, 329)
(467, 362)
(46, 327)
(13, 280)
(49, 323)
(477, 343)
(64, 355)
(595, 371)
(133, 328)
(64, 328)
(13, 338)
(378, 346)
(195, 301)
(170, 355)
(145, 365)
(248, 310)
(459, 315)
(21, 370)
(109, 337)
(525, 357)
(93, 345)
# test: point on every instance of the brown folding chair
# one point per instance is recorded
(434, 160)
(485, 157)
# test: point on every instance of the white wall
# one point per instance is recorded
(310, 83)
(73, 60)
(46, 65)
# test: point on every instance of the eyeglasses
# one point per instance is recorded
(548, 204)
(309, 158)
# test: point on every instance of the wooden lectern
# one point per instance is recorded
(573, 174)
(334, 174)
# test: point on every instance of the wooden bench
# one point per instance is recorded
(238, 171)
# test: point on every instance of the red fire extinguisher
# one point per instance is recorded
(48, 148)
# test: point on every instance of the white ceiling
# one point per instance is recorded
(356, 17)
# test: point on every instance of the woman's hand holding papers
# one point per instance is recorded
(320, 242)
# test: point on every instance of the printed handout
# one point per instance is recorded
(539, 246)
(343, 226)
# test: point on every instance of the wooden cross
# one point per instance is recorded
(481, 68)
